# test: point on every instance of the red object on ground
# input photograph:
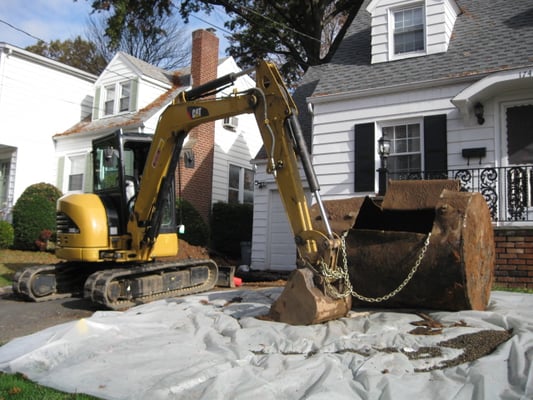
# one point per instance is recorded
(237, 281)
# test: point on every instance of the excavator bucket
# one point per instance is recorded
(305, 301)
(426, 245)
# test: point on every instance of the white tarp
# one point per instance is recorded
(212, 346)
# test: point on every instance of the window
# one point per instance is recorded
(117, 98)
(107, 164)
(109, 103)
(408, 30)
(125, 90)
(77, 168)
(405, 156)
(230, 123)
(241, 185)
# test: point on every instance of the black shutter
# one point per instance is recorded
(435, 144)
(364, 158)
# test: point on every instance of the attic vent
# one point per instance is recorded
(231, 123)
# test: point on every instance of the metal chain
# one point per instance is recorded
(341, 273)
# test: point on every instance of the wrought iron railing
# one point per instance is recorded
(507, 190)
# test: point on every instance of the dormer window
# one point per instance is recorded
(125, 90)
(109, 102)
(117, 98)
(408, 30)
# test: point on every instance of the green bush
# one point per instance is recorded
(231, 224)
(196, 230)
(6, 235)
(34, 212)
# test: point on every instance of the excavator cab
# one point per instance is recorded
(118, 162)
(102, 235)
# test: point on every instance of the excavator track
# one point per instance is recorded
(122, 288)
(52, 281)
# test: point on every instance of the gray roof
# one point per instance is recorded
(127, 121)
(488, 36)
(150, 70)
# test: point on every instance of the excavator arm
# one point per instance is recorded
(276, 116)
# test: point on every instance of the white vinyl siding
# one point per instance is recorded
(333, 131)
(282, 249)
(54, 96)
(236, 146)
(273, 246)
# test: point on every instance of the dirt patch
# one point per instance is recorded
(189, 251)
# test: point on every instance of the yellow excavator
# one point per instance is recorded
(117, 242)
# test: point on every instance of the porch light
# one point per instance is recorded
(478, 112)
(383, 147)
(384, 152)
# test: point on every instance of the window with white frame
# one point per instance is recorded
(241, 185)
(109, 101)
(406, 148)
(408, 30)
(75, 177)
(117, 98)
(125, 91)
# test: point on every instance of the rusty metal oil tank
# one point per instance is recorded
(427, 245)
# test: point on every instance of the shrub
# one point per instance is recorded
(34, 212)
(231, 224)
(6, 235)
(196, 230)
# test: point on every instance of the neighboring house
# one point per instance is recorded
(449, 83)
(131, 94)
(38, 97)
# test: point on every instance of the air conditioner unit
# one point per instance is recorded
(231, 123)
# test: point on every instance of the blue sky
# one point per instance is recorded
(64, 19)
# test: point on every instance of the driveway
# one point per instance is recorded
(21, 318)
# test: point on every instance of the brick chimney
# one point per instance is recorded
(197, 176)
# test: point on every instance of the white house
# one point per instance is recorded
(448, 82)
(130, 94)
(38, 97)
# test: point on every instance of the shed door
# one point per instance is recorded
(281, 250)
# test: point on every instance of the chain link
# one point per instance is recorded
(341, 274)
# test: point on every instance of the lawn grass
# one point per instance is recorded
(19, 387)
(13, 260)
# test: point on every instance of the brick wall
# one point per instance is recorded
(514, 257)
(196, 182)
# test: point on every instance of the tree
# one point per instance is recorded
(77, 53)
(167, 49)
(297, 34)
